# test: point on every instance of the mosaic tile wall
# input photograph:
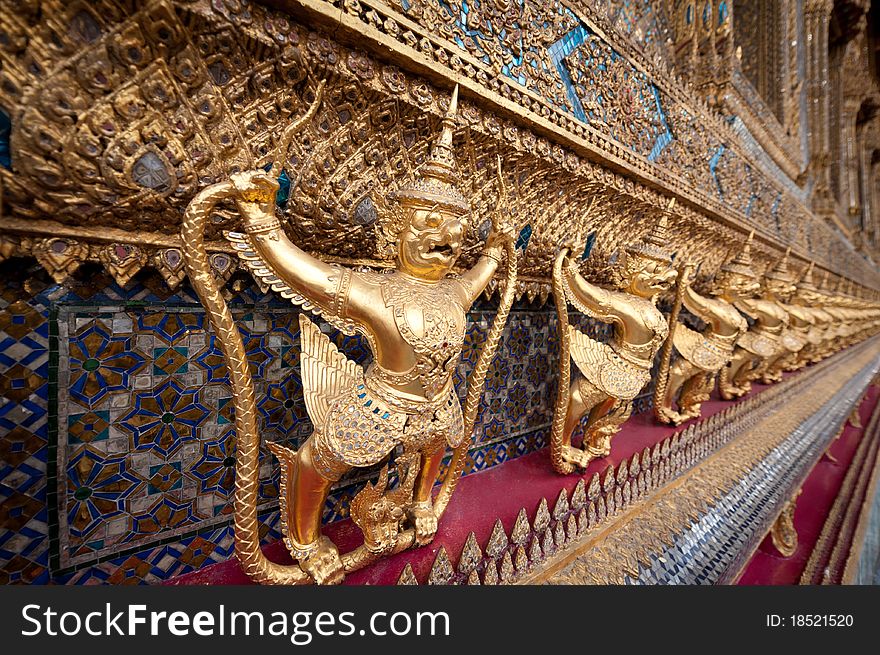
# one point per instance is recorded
(116, 438)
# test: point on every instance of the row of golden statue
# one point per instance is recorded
(414, 320)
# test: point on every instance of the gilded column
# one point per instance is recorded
(817, 15)
(849, 153)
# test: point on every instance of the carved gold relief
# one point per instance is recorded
(783, 533)
(703, 356)
(612, 374)
(760, 341)
(413, 318)
(134, 110)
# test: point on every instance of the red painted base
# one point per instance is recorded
(768, 566)
(480, 499)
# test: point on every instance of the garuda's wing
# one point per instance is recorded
(268, 279)
(326, 372)
(698, 350)
(604, 368)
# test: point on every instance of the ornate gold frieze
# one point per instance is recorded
(372, 132)
(783, 534)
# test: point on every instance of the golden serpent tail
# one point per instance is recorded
(561, 408)
(247, 535)
(666, 352)
(478, 378)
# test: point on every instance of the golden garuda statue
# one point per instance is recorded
(761, 341)
(612, 374)
(808, 297)
(413, 319)
(779, 286)
(687, 382)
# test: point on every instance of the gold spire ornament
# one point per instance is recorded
(413, 318)
(611, 374)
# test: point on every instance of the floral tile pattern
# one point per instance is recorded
(130, 480)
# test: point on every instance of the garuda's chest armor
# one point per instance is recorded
(359, 416)
(794, 335)
(763, 339)
(620, 368)
(710, 350)
(430, 318)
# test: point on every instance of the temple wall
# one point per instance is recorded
(116, 440)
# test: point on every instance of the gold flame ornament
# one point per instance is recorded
(611, 374)
(413, 319)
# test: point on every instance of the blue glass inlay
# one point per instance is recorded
(588, 246)
(713, 164)
(283, 194)
(774, 211)
(522, 241)
(558, 52)
(751, 204)
(723, 12)
(5, 130)
(666, 137)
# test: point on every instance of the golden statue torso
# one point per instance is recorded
(622, 367)
(711, 349)
(430, 320)
(763, 339)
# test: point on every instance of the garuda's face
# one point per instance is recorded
(780, 289)
(648, 277)
(737, 284)
(431, 243)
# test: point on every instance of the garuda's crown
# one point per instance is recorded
(781, 272)
(434, 185)
(655, 244)
(436, 181)
(742, 262)
(806, 283)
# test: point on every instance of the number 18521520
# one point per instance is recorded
(810, 621)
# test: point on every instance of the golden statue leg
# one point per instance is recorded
(605, 421)
(679, 373)
(307, 493)
(422, 511)
(694, 393)
(804, 356)
(756, 371)
(771, 369)
(576, 409)
(743, 374)
(729, 384)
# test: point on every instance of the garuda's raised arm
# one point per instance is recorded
(319, 283)
(698, 305)
(589, 298)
